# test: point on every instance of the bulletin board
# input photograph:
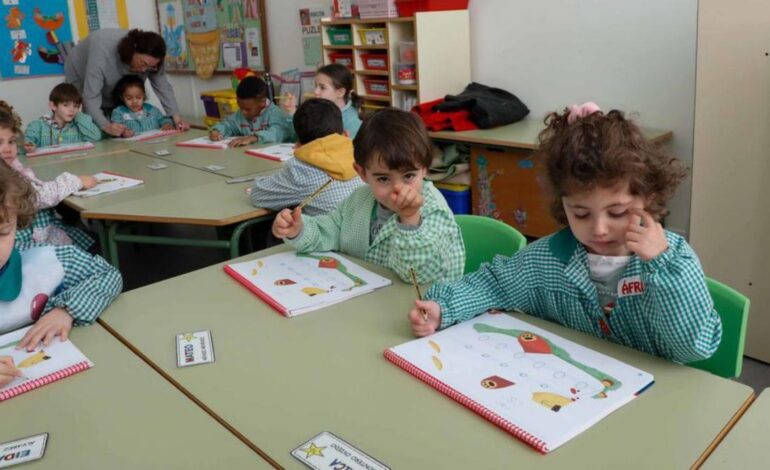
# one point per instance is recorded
(213, 36)
(34, 37)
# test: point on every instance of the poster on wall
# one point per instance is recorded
(92, 15)
(32, 42)
(171, 19)
(310, 22)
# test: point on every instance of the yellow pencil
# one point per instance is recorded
(316, 193)
(419, 294)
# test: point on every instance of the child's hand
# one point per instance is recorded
(245, 140)
(114, 129)
(87, 181)
(29, 147)
(215, 135)
(167, 126)
(55, 323)
(425, 317)
(289, 104)
(407, 203)
(127, 133)
(8, 370)
(645, 236)
(288, 223)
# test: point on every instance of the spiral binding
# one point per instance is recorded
(45, 380)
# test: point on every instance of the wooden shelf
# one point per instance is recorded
(383, 73)
(348, 48)
(382, 47)
(404, 87)
(375, 98)
(330, 22)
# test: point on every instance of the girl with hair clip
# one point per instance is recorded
(333, 82)
(613, 271)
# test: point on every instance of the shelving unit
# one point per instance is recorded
(442, 56)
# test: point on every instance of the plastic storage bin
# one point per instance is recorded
(340, 36)
(407, 74)
(409, 7)
(458, 197)
(406, 52)
(210, 122)
(342, 58)
(375, 61)
(219, 103)
(373, 36)
(377, 9)
(376, 87)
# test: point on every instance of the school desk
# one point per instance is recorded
(746, 445)
(234, 160)
(505, 182)
(176, 194)
(102, 147)
(120, 414)
(280, 381)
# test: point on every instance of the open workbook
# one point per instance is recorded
(60, 148)
(42, 366)
(278, 152)
(150, 135)
(540, 387)
(296, 283)
(205, 142)
(108, 182)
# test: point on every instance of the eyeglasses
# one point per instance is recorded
(145, 65)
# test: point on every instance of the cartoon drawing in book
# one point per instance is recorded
(34, 359)
(327, 262)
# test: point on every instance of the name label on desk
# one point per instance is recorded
(194, 348)
(23, 450)
(328, 452)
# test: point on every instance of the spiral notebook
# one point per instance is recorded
(278, 152)
(150, 135)
(42, 366)
(296, 283)
(60, 148)
(205, 142)
(109, 182)
(540, 387)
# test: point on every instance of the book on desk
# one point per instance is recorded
(206, 143)
(60, 148)
(108, 182)
(278, 153)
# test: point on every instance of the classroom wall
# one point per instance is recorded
(635, 56)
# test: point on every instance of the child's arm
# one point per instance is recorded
(8, 370)
(90, 284)
(277, 128)
(501, 284)
(319, 233)
(130, 125)
(164, 122)
(51, 193)
(287, 187)
(33, 132)
(228, 126)
(87, 127)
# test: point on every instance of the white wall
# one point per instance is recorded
(631, 55)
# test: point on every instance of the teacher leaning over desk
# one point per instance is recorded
(96, 64)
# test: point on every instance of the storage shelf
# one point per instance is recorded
(381, 47)
(376, 98)
(366, 21)
(348, 48)
(396, 86)
(383, 73)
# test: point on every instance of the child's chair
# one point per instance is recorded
(485, 237)
(733, 309)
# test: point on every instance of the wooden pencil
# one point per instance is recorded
(419, 293)
(316, 193)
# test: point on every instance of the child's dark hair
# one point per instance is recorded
(398, 138)
(317, 118)
(65, 93)
(126, 82)
(251, 88)
(16, 196)
(8, 118)
(341, 77)
(142, 42)
(602, 150)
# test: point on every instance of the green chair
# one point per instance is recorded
(733, 309)
(485, 237)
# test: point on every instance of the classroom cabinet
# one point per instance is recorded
(729, 215)
(402, 62)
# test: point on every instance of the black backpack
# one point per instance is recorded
(488, 107)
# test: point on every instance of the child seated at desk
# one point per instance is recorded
(397, 220)
(51, 286)
(133, 113)
(323, 151)
(613, 272)
(66, 124)
(46, 228)
(257, 121)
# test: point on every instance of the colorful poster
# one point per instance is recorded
(310, 21)
(32, 41)
(171, 19)
(92, 15)
(200, 22)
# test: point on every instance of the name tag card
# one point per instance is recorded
(327, 451)
(23, 450)
(194, 348)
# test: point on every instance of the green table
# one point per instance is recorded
(746, 445)
(235, 161)
(176, 194)
(103, 147)
(280, 381)
(120, 414)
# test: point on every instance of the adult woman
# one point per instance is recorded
(96, 64)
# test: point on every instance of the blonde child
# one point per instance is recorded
(65, 125)
(614, 272)
(333, 82)
(396, 220)
(133, 113)
(257, 121)
(54, 287)
(46, 228)
(323, 151)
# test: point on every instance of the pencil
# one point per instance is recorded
(108, 180)
(419, 294)
(316, 193)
